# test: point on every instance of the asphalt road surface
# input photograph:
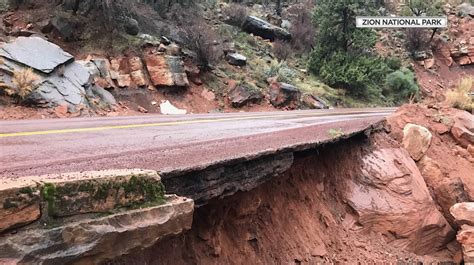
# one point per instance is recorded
(166, 143)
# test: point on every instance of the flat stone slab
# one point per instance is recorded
(94, 241)
(35, 53)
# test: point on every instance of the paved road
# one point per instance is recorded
(165, 143)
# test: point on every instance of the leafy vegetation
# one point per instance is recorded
(4, 5)
(401, 85)
(343, 53)
(344, 56)
(418, 39)
(281, 71)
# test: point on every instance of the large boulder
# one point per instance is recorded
(390, 197)
(242, 95)
(463, 128)
(262, 28)
(416, 140)
(284, 95)
(446, 190)
(312, 102)
(67, 86)
(166, 71)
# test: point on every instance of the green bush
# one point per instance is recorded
(281, 71)
(400, 85)
(4, 5)
(393, 63)
(360, 75)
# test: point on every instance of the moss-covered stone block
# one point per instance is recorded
(100, 191)
(19, 203)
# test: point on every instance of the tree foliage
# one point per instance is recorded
(423, 7)
(401, 85)
(343, 54)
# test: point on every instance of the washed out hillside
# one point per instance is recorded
(235, 132)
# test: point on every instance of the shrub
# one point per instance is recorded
(24, 83)
(199, 37)
(400, 85)
(344, 54)
(281, 71)
(393, 63)
(359, 74)
(281, 49)
(417, 39)
(460, 97)
(335, 133)
(236, 14)
(4, 5)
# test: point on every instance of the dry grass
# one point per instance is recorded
(236, 14)
(335, 133)
(460, 97)
(25, 83)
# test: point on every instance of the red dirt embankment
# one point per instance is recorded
(362, 200)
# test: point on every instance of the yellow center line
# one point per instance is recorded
(134, 126)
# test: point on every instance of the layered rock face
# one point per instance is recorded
(86, 218)
(346, 203)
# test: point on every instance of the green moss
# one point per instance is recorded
(49, 193)
(27, 190)
(87, 186)
(151, 190)
(102, 191)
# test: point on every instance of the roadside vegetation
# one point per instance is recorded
(335, 133)
(460, 97)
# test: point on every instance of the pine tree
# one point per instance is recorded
(343, 54)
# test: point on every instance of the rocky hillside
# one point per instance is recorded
(257, 62)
